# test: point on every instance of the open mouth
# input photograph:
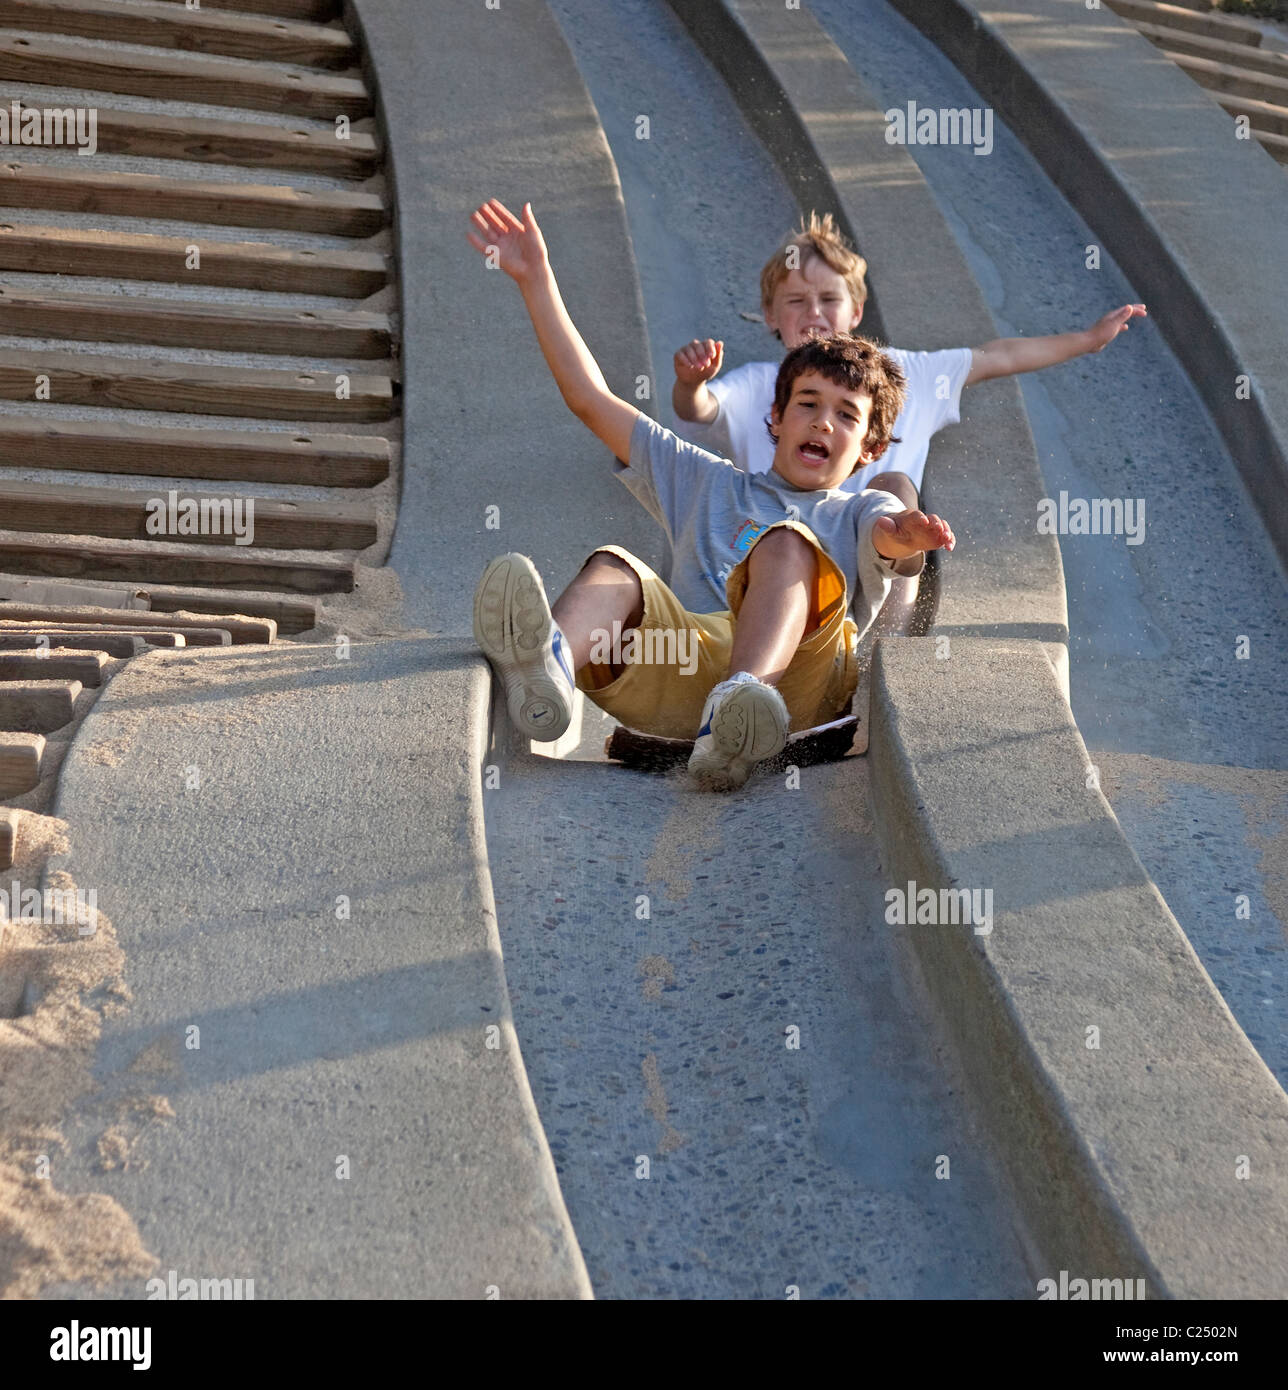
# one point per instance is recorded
(813, 452)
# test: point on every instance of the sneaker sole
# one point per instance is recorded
(512, 626)
(746, 729)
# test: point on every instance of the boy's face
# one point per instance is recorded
(821, 433)
(812, 302)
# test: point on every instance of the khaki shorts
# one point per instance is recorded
(680, 656)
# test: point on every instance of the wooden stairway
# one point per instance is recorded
(196, 320)
(1225, 54)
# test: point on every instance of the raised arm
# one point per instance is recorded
(1010, 356)
(519, 249)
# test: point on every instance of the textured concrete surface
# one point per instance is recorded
(1124, 132)
(816, 115)
(1121, 1092)
(1191, 742)
(709, 984)
(320, 1037)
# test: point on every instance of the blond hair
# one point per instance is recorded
(821, 237)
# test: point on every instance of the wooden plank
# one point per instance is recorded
(20, 758)
(92, 511)
(193, 388)
(1238, 82)
(1238, 55)
(25, 634)
(115, 194)
(1277, 145)
(100, 595)
(266, 328)
(215, 81)
(148, 566)
(319, 10)
(1214, 25)
(54, 665)
(8, 837)
(241, 627)
(289, 617)
(192, 30)
(59, 644)
(245, 265)
(312, 149)
(37, 706)
(320, 460)
(1263, 116)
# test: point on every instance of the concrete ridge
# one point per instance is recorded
(813, 113)
(1120, 130)
(382, 1035)
(1125, 1144)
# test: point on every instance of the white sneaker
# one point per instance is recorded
(743, 722)
(515, 630)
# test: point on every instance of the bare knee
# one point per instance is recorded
(605, 567)
(900, 485)
(786, 551)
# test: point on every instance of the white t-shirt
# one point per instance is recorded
(746, 396)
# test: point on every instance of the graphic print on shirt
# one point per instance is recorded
(746, 534)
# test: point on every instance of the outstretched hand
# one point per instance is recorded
(698, 361)
(517, 247)
(896, 537)
(1105, 330)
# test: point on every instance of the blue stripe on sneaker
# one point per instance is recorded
(561, 657)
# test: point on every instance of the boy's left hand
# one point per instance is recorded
(896, 537)
(1105, 330)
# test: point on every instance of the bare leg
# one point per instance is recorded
(606, 590)
(781, 571)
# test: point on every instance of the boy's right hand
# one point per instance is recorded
(519, 247)
(698, 361)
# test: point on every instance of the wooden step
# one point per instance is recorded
(1236, 55)
(1263, 116)
(53, 665)
(319, 460)
(193, 388)
(317, 149)
(193, 30)
(245, 265)
(1214, 24)
(319, 10)
(290, 617)
(93, 511)
(110, 193)
(1238, 82)
(25, 634)
(166, 77)
(20, 759)
(59, 644)
(227, 569)
(242, 627)
(8, 837)
(37, 706)
(147, 565)
(1276, 145)
(184, 323)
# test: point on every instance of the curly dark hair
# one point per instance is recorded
(859, 363)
